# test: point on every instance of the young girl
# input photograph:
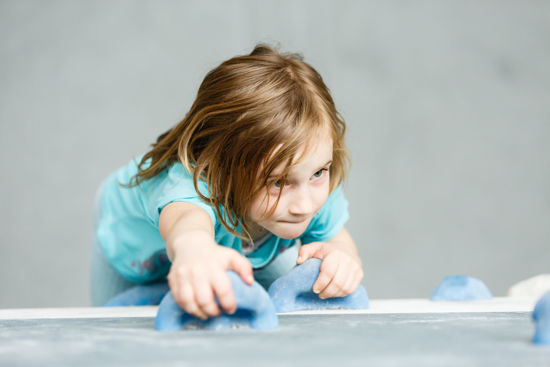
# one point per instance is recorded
(251, 173)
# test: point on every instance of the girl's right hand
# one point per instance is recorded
(198, 275)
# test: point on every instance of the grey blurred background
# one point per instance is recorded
(447, 104)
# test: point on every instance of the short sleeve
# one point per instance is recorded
(174, 185)
(127, 226)
(330, 220)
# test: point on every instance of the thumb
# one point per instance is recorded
(241, 266)
(314, 249)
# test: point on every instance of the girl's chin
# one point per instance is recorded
(291, 233)
(289, 236)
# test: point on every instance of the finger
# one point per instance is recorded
(326, 273)
(185, 298)
(350, 285)
(241, 266)
(335, 287)
(310, 250)
(224, 292)
(357, 279)
(348, 279)
(205, 298)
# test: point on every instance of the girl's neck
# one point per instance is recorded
(256, 231)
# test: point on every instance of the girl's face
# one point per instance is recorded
(302, 195)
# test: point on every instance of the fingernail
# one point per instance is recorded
(299, 258)
(315, 290)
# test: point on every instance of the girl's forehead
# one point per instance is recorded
(312, 155)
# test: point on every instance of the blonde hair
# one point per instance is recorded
(252, 113)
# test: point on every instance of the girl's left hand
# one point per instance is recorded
(341, 271)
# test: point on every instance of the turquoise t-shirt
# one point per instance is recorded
(127, 229)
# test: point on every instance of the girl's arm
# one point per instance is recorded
(341, 268)
(199, 264)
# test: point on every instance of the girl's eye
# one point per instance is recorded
(276, 185)
(319, 173)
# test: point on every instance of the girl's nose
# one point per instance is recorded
(301, 204)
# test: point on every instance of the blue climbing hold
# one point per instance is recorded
(254, 310)
(461, 288)
(141, 295)
(541, 317)
(294, 291)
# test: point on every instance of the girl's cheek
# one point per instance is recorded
(270, 203)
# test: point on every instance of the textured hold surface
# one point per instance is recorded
(532, 287)
(461, 288)
(294, 292)
(254, 309)
(541, 317)
(141, 295)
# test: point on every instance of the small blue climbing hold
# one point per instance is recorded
(541, 317)
(254, 310)
(461, 288)
(294, 291)
(141, 295)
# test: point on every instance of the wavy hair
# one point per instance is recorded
(252, 113)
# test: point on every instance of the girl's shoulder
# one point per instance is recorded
(329, 220)
(175, 173)
(174, 183)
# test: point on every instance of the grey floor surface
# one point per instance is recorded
(464, 339)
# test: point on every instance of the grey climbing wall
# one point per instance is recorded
(447, 104)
